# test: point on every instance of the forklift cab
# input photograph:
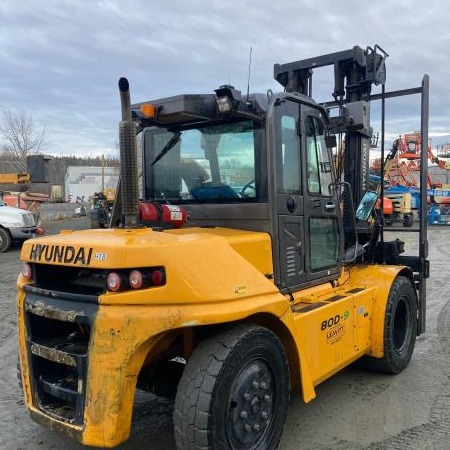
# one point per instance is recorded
(269, 171)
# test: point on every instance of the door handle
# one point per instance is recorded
(291, 204)
(330, 207)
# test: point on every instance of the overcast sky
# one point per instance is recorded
(61, 59)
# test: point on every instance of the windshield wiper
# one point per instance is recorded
(173, 140)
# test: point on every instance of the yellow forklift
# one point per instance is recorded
(242, 267)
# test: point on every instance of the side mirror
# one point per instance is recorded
(366, 206)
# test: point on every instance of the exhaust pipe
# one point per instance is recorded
(128, 160)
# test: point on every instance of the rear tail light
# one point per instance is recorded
(158, 277)
(114, 282)
(122, 280)
(27, 271)
(136, 279)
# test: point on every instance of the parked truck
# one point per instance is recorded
(16, 225)
(242, 267)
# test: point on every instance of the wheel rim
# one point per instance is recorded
(251, 406)
(402, 330)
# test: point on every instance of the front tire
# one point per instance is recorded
(400, 328)
(234, 392)
(5, 240)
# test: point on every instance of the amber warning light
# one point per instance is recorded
(148, 110)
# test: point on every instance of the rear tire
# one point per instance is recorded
(400, 329)
(5, 240)
(234, 392)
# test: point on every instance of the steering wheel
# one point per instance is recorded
(249, 186)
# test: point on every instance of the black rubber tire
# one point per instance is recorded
(400, 329)
(408, 220)
(234, 392)
(5, 240)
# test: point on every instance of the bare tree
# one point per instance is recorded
(22, 137)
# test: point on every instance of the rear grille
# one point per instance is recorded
(56, 390)
(74, 280)
(58, 336)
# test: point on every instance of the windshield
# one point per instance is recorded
(212, 163)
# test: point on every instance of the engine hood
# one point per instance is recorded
(15, 217)
(115, 248)
(201, 264)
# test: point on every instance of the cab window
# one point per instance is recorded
(209, 163)
(319, 179)
(290, 156)
(323, 243)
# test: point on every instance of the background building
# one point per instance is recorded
(82, 182)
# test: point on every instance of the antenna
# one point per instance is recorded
(249, 67)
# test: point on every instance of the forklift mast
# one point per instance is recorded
(355, 71)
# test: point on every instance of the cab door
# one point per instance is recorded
(306, 227)
(323, 229)
(289, 248)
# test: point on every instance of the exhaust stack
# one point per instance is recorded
(128, 159)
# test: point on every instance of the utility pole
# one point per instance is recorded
(103, 174)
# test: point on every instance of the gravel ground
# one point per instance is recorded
(354, 410)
